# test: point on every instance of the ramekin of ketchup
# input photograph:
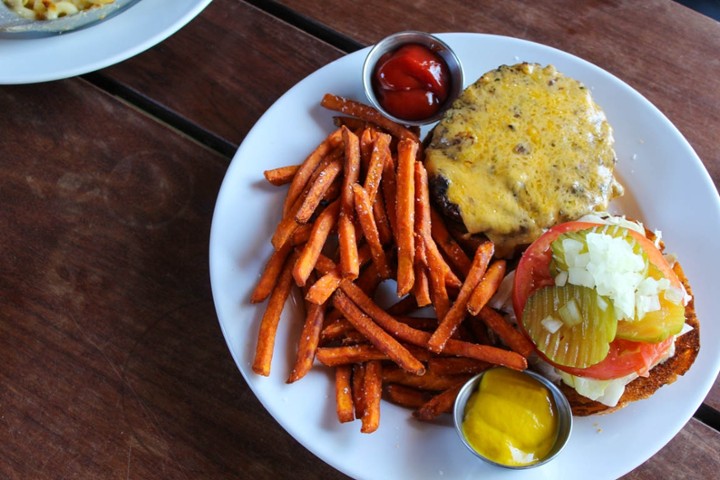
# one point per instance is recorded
(412, 77)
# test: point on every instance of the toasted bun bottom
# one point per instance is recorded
(687, 347)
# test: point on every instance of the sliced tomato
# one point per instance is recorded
(625, 357)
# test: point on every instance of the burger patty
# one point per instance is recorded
(522, 149)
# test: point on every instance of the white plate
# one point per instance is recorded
(667, 186)
(141, 26)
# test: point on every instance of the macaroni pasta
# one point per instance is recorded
(52, 9)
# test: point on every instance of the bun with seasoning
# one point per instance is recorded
(609, 314)
(522, 149)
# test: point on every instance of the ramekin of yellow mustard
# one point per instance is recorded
(512, 419)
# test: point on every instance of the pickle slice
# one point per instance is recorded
(655, 326)
(579, 343)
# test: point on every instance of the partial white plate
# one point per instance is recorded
(667, 187)
(53, 57)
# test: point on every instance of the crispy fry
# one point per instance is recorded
(372, 392)
(389, 192)
(281, 175)
(271, 319)
(301, 235)
(308, 166)
(507, 333)
(486, 353)
(376, 335)
(380, 151)
(365, 112)
(270, 274)
(456, 365)
(421, 288)
(487, 287)
(336, 329)
(343, 394)
(349, 264)
(308, 342)
(366, 218)
(428, 381)
(407, 151)
(403, 306)
(457, 311)
(326, 285)
(382, 221)
(334, 356)
(410, 335)
(287, 225)
(407, 397)
(438, 288)
(318, 236)
(423, 219)
(453, 251)
(358, 387)
(440, 403)
(317, 190)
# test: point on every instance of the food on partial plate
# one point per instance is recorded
(516, 176)
(357, 225)
(607, 311)
(522, 149)
(52, 9)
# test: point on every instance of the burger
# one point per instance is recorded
(525, 158)
(610, 315)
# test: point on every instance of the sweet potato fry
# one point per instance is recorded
(271, 319)
(441, 403)
(343, 394)
(389, 192)
(410, 335)
(308, 166)
(407, 151)
(317, 190)
(308, 342)
(423, 224)
(287, 225)
(456, 365)
(318, 236)
(358, 387)
(325, 286)
(487, 287)
(270, 274)
(422, 382)
(407, 397)
(382, 220)
(421, 288)
(457, 311)
(453, 251)
(334, 356)
(404, 306)
(366, 218)
(380, 151)
(365, 112)
(372, 393)
(281, 175)
(438, 287)
(376, 335)
(507, 333)
(349, 264)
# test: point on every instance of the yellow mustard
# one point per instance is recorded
(511, 418)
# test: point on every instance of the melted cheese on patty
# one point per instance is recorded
(522, 149)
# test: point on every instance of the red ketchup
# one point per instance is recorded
(411, 82)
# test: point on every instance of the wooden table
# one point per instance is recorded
(113, 363)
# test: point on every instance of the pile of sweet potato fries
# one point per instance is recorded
(357, 214)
